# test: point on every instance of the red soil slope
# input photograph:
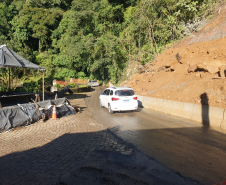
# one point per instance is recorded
(190, 69)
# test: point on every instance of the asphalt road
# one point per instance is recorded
(179, 144)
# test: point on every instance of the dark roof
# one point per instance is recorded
(10, 59)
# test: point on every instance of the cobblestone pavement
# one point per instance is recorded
(52, 152)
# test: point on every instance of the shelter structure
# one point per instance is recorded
(10, 59)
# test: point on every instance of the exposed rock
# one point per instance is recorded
(167, 66)
(170, 69)
(161, 68)
(178, 57)
(198, 75)
(151, 70)
(213, 66)
(222, 71)
(192, 68)
(142, 71)
(202, 67)
(188, 62)
(140, 67)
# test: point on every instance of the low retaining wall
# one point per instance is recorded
(62, 82)
(82, 81)
(206, 115)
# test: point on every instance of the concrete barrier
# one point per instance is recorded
(198, 113)
(158, 104)
(152, 102)
(177, 108)
(216, 116)
(167, 106)
(187, 110)
(206, 115)
(148, 102)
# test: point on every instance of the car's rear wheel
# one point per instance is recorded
(109, 109)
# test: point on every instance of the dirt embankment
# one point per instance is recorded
(192, 69)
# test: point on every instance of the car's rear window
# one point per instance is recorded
(93, 81)
(125, 92)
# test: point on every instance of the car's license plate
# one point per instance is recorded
(126, 100)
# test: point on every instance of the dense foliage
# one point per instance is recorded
(94, 38)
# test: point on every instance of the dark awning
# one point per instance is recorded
(10, 59)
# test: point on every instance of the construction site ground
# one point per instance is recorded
(76, 149)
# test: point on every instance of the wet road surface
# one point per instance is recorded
(182, 145)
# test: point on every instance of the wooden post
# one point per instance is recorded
(43, 86)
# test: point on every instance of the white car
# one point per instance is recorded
(93, 83)
(118, 99)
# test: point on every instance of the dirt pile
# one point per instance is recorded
(192, 68)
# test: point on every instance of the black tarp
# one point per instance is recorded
(48, 103)
(63, 107)
(61, 111)
(61, 93)
(12, 117)
(32, 112)
(25, 114)
(12, 98)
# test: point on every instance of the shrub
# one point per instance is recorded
(31, 86)
(72, 85)
(2, 89)
(58, 86)
(82, 85)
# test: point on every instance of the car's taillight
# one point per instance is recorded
(114, 99)
(135, 98)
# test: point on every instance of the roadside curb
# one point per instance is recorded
(204, 114)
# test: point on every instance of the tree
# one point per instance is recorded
(33, 27)
(87, 39)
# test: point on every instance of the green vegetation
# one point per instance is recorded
(2, 89)
(93, 39)
(81, 85)
(72, 85)
(31, 86)
(58, 86)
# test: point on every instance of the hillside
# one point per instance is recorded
(190, 69)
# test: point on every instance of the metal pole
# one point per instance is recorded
(43, 86)
(9, 79)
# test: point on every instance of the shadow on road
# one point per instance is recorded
(205, 111)
(81, 158)
(99, 157)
